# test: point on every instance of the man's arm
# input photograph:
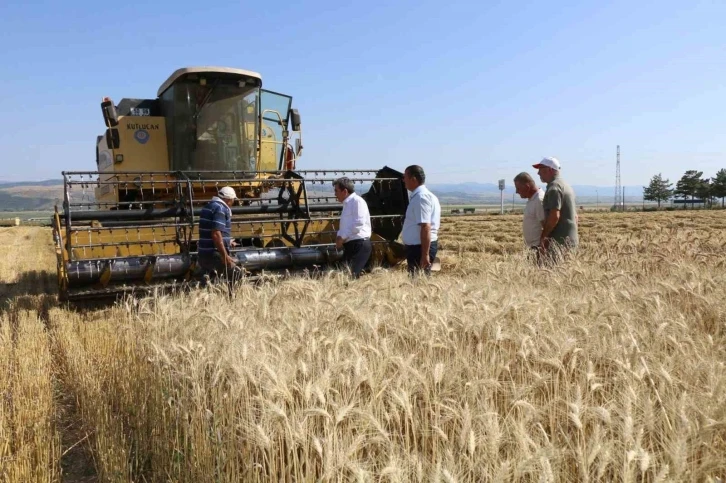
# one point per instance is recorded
(345, 228)
(539, 212)
(425, 244)
(550, 223)
(425, 220)
(553, 203)
(219, 245)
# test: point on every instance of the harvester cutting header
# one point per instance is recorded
(133, 222)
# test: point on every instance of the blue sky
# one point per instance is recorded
(472, 91)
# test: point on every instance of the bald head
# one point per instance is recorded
(525, 185)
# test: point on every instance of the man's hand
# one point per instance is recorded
(425, 260)
(544, 243)
(233, 243)
(549, 226)
(339, 243)
(230, 262)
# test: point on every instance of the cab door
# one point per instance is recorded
(274, 114)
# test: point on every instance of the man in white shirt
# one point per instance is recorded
(421, 225)
(354, 233)
(534, 215)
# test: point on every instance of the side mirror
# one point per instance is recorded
(112, 139)
(295, 115)
(110, 116)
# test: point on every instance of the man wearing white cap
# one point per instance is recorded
(560, 227)
(215, 225)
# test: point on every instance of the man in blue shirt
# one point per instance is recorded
(421, 225)
(215, 241)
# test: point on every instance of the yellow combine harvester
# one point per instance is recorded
(132, 223)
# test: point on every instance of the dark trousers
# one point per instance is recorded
(554, 254)
(413, 257)
(213, 266)
(356, 254)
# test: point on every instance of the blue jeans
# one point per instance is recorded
(413, 257)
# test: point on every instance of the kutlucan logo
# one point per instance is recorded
(142, 136)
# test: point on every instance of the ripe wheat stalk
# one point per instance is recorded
(608, 368)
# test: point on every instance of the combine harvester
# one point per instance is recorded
(131, 225)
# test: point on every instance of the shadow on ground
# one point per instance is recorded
(33, 290)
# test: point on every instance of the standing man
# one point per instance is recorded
(354, 233)
(421, 225)
(215, 225)
(560, 228)
(534, 215)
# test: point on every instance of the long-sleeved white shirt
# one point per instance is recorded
(355, 220)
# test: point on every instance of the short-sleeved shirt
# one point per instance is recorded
(216, 215)
(423, 207)
(559, 196)
(534, 216)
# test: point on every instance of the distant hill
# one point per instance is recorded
(48, 182)
(30, 195)
(492, 189)
(44, 195)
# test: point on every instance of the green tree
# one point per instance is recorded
(658, 190)
(704, 190)
(719, 185)
(687, 186)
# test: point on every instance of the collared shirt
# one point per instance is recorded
(216, 215)
(355, 220)
(423, 207)
(534, 216)
(560, 196)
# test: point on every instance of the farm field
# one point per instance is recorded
(608, 368)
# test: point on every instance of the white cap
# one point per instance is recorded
(548, 162)
(228, 193)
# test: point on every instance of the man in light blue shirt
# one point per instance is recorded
(421, 225)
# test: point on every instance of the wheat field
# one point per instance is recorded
(607, 368)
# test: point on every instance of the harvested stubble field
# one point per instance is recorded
(610, 368)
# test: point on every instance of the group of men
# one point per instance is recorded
(549, 224)
(420, 228)
(550, 219)
(420, 225)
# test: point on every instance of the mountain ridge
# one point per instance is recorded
(44, 195)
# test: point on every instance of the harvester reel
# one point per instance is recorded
(284, 220)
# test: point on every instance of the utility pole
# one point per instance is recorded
(619, 196)
(501, 196)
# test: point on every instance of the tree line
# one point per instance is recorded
(690, 187)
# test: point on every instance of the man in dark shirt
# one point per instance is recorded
(560, 228)
(215, 225)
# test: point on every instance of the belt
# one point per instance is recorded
(419, 244)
